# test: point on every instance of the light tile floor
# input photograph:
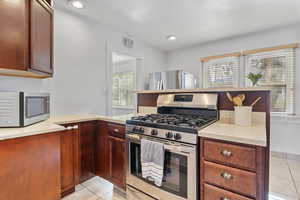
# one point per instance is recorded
(95, 189)
(284, 184)
(284, 179)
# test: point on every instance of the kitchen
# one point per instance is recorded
(81, 89)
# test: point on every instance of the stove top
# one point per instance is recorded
(177, 120)
(173, 122)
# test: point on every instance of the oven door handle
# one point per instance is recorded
(170, 147)
(179, 149)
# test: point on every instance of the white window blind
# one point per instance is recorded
(278, 72)
(221, 72)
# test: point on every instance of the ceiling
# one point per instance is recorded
(191, 21)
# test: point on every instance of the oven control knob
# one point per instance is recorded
(169, 135)
(177, 136)
(141, 130)
(154, 132)
(135, 129)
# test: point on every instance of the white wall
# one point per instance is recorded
(284, 132)
(80, 59)
(24, 84)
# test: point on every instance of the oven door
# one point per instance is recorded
(179, 180)
(36, 107)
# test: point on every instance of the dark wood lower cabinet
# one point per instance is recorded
(102, 167)
(87, 150)
(30, 168)
(232, 170)
(111, 153)
(116, 161)
(68, 159)
(78, 146)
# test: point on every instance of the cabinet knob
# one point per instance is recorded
(226, 175)
(116, 130)
(226, 153)
(225, 198)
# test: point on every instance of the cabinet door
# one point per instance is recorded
(30, 168)
(67, 161)
(116, 148)
(87, 150)
(102, 168)
(14, 34)
(41, 37)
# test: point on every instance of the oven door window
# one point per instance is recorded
(36, 106)
(175, 170)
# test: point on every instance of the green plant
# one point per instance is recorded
(254, 78)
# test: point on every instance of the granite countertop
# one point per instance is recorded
(54, 124)
(253, 135)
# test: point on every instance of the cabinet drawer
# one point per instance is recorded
(116, 130)
(234, 155)
(214, 193)
(237, 180)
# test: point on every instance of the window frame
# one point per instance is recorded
(236, 70)
(290, 80)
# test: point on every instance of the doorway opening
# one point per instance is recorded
(124, 81)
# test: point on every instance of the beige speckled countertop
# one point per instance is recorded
(253, 135)
(66, 119)
(53, 125)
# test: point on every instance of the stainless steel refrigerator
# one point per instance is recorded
(176, 79)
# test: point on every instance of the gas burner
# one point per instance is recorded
(180, 120)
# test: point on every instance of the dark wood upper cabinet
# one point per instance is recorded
(14, 34)
(26, 38)
(41, 37)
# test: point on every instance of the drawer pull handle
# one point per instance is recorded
(226, 176)
(75, 127)
(224, 198)
(116, 130)
(226, 153)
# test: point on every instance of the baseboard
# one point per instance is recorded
(285, 155)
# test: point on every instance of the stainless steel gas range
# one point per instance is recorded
(176, 125)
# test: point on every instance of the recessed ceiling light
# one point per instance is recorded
(77, 3)
(171, 37)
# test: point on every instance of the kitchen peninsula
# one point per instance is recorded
(233, 159)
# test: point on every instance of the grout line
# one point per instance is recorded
(293, 179)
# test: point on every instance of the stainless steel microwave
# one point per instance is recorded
(19, 109)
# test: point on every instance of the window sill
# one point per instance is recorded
(124, 107)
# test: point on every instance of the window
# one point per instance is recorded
(221, 72)
(278, 70)
(123, 89)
